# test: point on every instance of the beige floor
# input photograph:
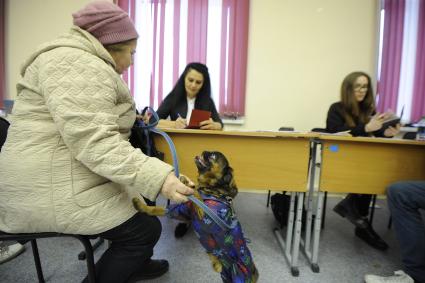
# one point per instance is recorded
(343, 257)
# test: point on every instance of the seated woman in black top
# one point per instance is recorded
(192, 91)
(356, 114)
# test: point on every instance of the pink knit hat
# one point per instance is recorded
(105, 21)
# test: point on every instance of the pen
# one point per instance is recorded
(180, 116)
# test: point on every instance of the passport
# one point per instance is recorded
(197, 117)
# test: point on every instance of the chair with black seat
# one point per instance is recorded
(32, 237)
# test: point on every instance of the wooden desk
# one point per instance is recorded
(261, 160)
(369, 165)
(363, 165)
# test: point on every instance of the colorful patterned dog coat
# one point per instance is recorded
(229, 245)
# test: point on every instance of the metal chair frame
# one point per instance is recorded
(32, 237)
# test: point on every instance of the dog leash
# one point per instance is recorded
(151, 126)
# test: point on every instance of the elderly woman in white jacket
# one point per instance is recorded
(67, 165)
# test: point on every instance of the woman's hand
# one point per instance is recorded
(175, 190)
(210, 125)
(392, 131)
(375, 123)
(180, 123)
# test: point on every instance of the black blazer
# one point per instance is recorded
(335, 122)
(170, 107)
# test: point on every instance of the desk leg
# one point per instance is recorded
(290, 226)
(316, 235)
(297, 234)
(310, 197)
(290, 246)
(312, 255)
(372, 209)
(305, 244)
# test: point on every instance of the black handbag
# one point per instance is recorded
(280, 207)
(141, 137)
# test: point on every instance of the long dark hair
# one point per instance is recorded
(179, 92)
(354, 111)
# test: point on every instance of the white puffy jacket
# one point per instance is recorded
(67, 165)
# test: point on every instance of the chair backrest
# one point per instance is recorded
(319, 130)
(4, 125)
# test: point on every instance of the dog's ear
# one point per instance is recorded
(233, 189)
(227, 178)
(227, 175)
(230, 181)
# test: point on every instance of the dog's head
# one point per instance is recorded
(215, 175)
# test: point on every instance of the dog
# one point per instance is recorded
(226, 248)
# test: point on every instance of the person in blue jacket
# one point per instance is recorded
(405, 200)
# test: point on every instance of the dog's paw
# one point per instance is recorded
(255, 275)
(185, 180)
(181, 229)
(216, 264)
(217, 267)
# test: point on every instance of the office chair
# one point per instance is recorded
(32, 237)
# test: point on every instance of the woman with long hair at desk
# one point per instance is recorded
(356, 114)
(192, 91)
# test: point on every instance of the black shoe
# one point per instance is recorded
(371, 238)
(346, 208)
(153, 268)
(181, 229)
